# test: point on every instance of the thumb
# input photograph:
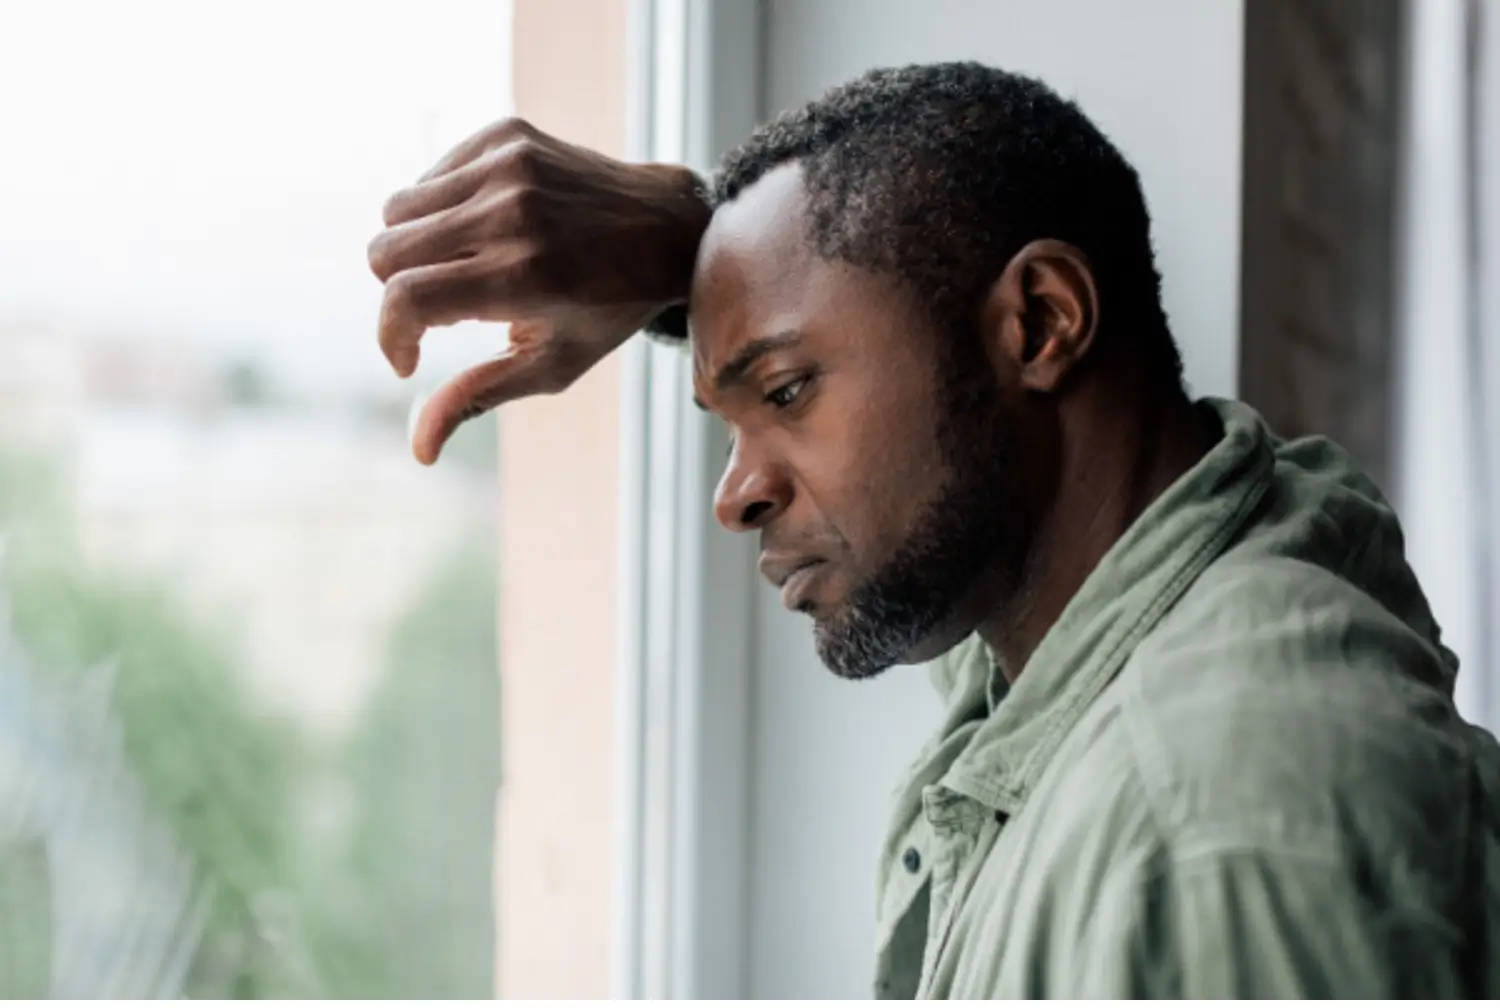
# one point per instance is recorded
(471, 394)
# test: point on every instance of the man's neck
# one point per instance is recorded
(1123, 447)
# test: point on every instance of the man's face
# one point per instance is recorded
(873, 453)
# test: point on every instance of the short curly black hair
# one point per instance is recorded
(937, 174)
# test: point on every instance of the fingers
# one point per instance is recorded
(489, 287)
(474, 146)
(473, 393)
(440, 193)
(443, 237)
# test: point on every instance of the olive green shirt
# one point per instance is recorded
(1233, 768)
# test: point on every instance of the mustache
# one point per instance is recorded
(821, 545)
(781, 556)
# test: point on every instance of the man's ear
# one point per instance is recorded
(1041, 313)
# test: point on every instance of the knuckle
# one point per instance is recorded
(381, 254)
(517, 126)
(518, 160)
(394, 207)
(470, 411)
(500, 218)
(510, 128)
(403, 294)
(476, 398)
(524, 207)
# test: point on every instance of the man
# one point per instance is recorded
(1200, 738)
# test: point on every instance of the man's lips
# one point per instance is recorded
(796, 589)
(793, 575)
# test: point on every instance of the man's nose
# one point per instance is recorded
(752, 492)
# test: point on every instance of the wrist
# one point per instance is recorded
(686, 211)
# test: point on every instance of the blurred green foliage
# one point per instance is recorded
(397, 903)
(218, 770)
(413, 916)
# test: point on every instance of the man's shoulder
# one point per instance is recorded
(1278, 699)
(1285, 631)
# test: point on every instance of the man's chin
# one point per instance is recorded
(840, 659)
(849, 654)
(854, 656)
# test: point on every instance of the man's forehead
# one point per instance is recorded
(753, 265)
(770, 209)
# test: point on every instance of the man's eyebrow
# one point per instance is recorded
(739, 365)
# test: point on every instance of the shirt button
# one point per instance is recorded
(911, 860)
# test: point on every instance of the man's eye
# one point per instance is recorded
(785, 395)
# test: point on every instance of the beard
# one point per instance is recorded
(973, 527)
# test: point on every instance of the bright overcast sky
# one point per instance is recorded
(214, 168)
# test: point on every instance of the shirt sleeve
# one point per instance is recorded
(1252, 923)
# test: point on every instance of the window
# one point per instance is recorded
(248, 684)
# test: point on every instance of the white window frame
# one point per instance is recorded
(686, 634)
(1439, 471)
(1485, 347)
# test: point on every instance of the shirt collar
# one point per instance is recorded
(1139, 580)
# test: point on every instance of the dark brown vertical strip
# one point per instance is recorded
(1323, 83)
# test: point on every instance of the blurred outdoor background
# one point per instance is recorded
(248, 686)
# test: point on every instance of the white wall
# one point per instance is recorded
(1163, 79)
